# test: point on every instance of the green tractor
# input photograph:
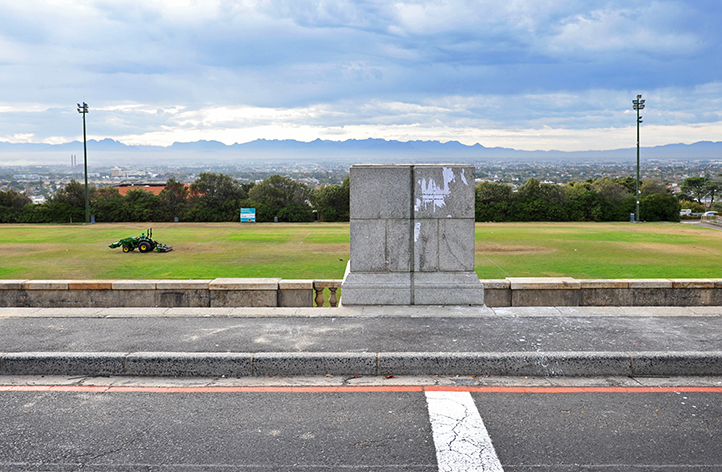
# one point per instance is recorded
(144, 243)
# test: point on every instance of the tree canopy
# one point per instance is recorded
(219, 197)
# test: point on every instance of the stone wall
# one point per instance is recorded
(270, 292)
(566, 291)
(545, 291)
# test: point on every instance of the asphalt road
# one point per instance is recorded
(375, 430)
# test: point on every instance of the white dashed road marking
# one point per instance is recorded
(461, 440)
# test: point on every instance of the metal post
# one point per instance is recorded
(637, 193)
(84, 109)
(638, 105)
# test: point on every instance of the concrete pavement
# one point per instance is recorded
(477, 341)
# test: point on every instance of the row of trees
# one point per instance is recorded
(218, 197)
(603, 199)
(212, 197)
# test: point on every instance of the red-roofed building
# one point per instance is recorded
(155, 189)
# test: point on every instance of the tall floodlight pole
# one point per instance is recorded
(84, 109)
(638, 105)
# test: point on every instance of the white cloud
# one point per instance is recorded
(612, 30)
(536, 72)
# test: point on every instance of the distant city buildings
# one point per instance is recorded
(41, 182)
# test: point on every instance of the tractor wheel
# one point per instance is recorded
(127, 248)
(145, 246)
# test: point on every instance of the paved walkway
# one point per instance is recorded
(542, 341)
(703, 224)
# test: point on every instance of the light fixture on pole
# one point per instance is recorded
(638, 104)
(84, 109)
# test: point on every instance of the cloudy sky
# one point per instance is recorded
(526, 74)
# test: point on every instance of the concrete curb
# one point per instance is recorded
(204, 364)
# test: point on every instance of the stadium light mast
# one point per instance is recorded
(84, 109)
(638, 104)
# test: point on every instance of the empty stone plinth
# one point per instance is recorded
(412, 236)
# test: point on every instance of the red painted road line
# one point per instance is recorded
(217, 389)
(349, 389)
(260, 389)
(639, 389)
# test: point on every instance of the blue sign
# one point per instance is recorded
(248, 215)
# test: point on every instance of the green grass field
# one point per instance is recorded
(312, 251)
(598, 250)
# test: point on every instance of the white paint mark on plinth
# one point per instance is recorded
(461, 440)
(432, 194)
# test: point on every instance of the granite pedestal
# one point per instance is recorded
(412, 236)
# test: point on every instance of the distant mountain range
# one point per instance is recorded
(111, 152)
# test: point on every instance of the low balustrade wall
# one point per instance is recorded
(270, 292)
(566, 291)
(275, 292)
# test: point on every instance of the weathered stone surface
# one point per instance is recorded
(182, 298)
(295, 298)
(244, 284)
(45, 285)
(544, 283)
(606, 297)
(447, 288)
(497, 297)
(90, 285)
(426, 245)
(673, 297)
(650, 283)
(183, 284)
(361, 288)
(295, 293)
(380, 191)
(693, 283)
(398, 245)
(244, 292)
(11, 284)
(388, 238)
(604, 283)
(495, 284)
(58, 298)
(368, 246)
(236, 298)
(716, 297)
(440, 245)
(134, 284)
(300, 284)
(13, 298)
(456, 248)
(545, 297)
(443, 191)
